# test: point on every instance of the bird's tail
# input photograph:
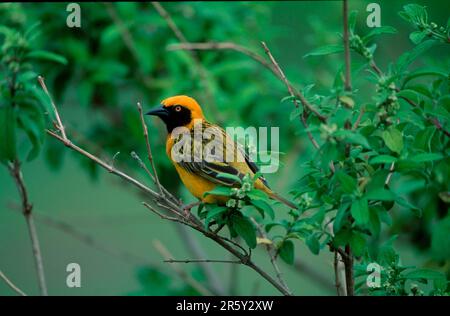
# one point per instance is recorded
(283, 200)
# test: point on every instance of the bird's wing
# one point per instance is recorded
(209, 168)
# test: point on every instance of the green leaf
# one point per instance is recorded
(379, 30)
(382, 159)
(44, 55)
(296, 112)
(264, 207)
(360, 211)
(352, 138)
(229, 176)
(407, 58)
(214, 212)
(393, 139)
(380, 194)
(326, 50)
(244, 228)
(348, 184)
(286, 251)
(423, 274)
(256, 194)
(313, 244)
(219, 190)
(425, 157)
(358, 244)
(7, 134)
(417, 36)
(35, 133)
(288, 98)
(340, 216)
(440, 239)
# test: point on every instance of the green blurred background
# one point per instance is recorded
(97, 91)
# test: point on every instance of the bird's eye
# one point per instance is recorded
(178, 108)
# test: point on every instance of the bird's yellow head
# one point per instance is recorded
(179, 110)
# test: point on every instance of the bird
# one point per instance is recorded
(181, 114)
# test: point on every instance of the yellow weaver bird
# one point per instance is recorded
(199, 174)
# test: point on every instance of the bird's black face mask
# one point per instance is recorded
(173, 116)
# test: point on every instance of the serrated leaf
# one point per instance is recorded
(417, 36)
(348, 184)
(286, 251)
(229, 176)
(7, 134)
(360, 211)
(326, 50)
(382, 159)
(296, 112)
(264, 207)
(380, 194)
(244, 228)
(219, 190)
(49, 56)
(393, 139)
(378, 31)
(423, 274)
(426, 157)
(358, 244)
(313, 244)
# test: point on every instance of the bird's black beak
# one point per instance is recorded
(160, 112)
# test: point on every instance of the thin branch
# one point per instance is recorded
(149, 149)
(223, 46)
(181, 273)
(202, 72)
(337, 273)
(11, 284)
(358, 119)
(348, 265)
(347, 81)
(27, 208)
(272, 255)
(84, 238)
(191, 243)
(55, 111)
(291, 92)
(311, 273)
(252, 55)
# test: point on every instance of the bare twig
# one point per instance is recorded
(358, 119)
(59, 125)
(349, 280)
(291, 92)
(224, 46)
(347, 81)
(271, 252)
(191, 243)
(27, 207)
(149, 149)
(127, 39)
(202, 72)
(183, 275)
(337, 273)
(11, 284)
